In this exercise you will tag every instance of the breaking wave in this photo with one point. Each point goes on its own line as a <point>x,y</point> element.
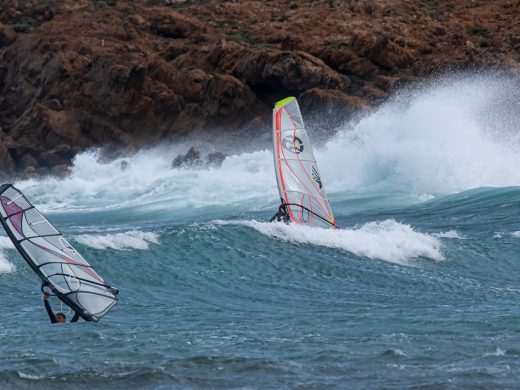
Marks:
<point>119,241</point>
<point>385,240</point>
<point>449,234</point>
<point>455,134</point>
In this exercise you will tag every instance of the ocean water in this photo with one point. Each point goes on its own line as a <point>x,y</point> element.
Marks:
<point>419,289</point>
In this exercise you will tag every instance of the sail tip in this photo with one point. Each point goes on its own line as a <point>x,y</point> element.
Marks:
<point>284,101</point>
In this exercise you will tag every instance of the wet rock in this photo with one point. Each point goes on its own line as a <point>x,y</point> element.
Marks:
<point>60,170</point>
<point>6,162</point>
<point>190,159</point>
<point>7,35</point>
<point>27,161</point>
<point>215,159</point>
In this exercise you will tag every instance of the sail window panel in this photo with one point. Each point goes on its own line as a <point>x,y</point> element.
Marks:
<point>294,111</point>
<point>38,254</point>
<point>93,303</point>
<point>26,228</point>
<point>65,248</point>
<point>289,123</point>
<point>299,179</point>
<point>86,273</point>
<point>61,283</point>
<point>38,223</point>
<point>51,269</point>
<point>293,183</point>
<point>13,201</point>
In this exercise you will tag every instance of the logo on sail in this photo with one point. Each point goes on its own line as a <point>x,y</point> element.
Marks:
<point>316,176</point>
<point>293,144</point>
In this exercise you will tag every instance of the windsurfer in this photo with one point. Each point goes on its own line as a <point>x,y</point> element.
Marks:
<point>60,317</point>
<point>282,215</point>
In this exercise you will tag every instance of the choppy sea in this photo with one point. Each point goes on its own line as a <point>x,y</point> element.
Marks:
<point>419,289</point>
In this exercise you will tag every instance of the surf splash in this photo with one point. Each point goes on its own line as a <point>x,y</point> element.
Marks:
<point>452,135</point>
<point>5,265</point>
<point>134,239</point>
<point>456,134</point>
<point>385,240</point>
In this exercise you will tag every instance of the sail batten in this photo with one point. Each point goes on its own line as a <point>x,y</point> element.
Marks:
<point>298,178</point>
<point>53,258</point>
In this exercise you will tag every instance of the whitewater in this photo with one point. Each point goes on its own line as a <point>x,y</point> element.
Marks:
<point>418,288</point>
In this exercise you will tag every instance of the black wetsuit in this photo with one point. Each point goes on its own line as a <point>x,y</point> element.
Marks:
<point>53,317</point>
<point>281,215</point>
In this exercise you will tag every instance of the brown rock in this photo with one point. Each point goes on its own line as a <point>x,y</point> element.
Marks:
<point>72,79</point>
<point>294,71</point>
<point>7,35</point>
<point>27,161</point>
<point>6,162</point>
<point>191,158</point>
<point>332,102</point>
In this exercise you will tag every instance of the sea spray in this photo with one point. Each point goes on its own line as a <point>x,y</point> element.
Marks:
<point>442,138</point>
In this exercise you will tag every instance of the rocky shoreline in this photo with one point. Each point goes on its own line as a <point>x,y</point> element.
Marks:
<point>85,73</point>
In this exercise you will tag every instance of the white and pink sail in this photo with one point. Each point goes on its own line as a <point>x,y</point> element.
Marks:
<point>299,180</point>
<point>53,258</point>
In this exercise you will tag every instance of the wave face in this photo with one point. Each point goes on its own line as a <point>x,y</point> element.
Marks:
<point>418,289</point>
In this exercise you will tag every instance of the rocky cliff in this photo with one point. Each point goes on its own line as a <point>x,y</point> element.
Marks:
<point>82,73</point>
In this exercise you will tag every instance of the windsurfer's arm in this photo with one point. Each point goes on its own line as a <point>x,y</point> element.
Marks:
<point>75,318</point>
<point>48,308</point>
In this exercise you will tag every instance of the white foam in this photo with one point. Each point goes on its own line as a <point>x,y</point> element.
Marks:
<point>6,243</point>
<point>149,179</point>
<point>497,352</point>
<point>449,137</point>
<point>457,134</point>
<point>119,241</point>
<point>449,234</point>
<point>516,234</point>
<point>385,240</point>
<point>5,266</point>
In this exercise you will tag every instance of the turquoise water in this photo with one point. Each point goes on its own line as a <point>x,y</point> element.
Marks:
<point>418,290</point>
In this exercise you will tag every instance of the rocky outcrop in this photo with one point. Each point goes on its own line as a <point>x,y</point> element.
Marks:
<point>192,158</point>
<point>76,74</point>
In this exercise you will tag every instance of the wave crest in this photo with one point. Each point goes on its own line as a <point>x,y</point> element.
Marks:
<point>384,240</point>
<point>119,241</point>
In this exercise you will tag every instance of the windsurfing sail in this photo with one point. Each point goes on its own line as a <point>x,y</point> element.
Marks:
<point>53,258</point>
<point>299,180</point>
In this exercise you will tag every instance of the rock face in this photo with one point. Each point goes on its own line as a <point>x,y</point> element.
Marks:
<point>82,73</point>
